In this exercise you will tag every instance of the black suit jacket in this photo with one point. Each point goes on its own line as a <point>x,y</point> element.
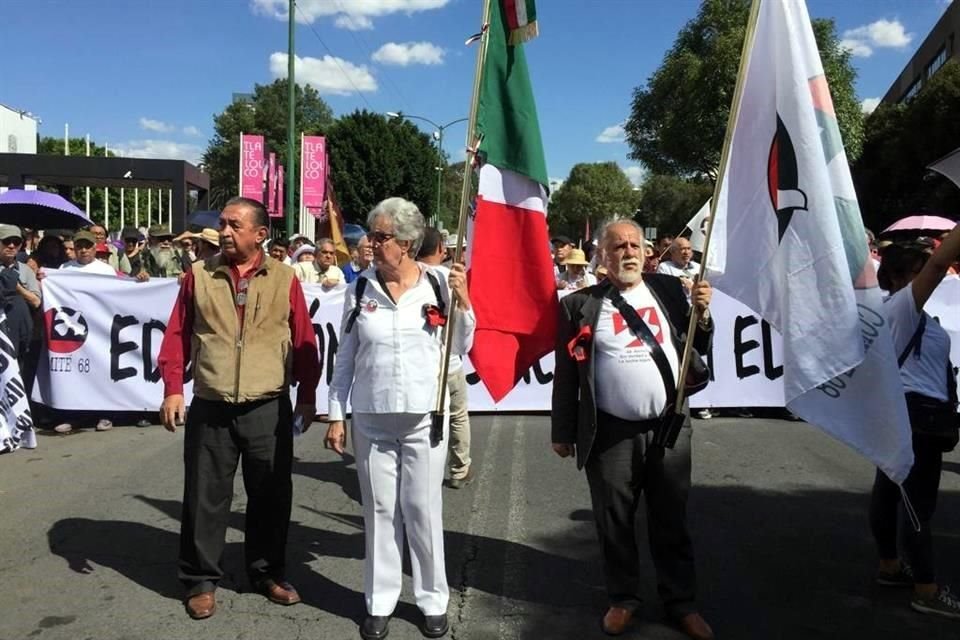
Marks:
<point>574,409</point>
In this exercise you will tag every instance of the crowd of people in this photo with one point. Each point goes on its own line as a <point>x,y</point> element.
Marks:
<point>610,391</point>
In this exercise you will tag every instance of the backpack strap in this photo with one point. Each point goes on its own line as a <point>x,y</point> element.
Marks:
<point>435,285</point>
<point>914,341</point>
<point>358,298</point>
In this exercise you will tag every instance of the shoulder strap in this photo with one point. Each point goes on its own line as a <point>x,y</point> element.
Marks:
<point>914,341</point>
<point>358,297</point>
<point>642,331</point>
<point>435,285</point>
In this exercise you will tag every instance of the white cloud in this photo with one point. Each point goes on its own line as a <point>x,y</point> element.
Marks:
<point>880,34</point>
<point>636,173</point>
<point>163,149</point>
<point>407,53</point>
<point>156,125</point>
<point>353,23</point>
<point>856,48</point>
<point>192,131</point>
<point>867,105</point>
<point>349,14</point>
<point>328,75</point>
<point>614,133</point>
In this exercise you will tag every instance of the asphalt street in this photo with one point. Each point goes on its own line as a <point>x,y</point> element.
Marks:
<point>89,534</point>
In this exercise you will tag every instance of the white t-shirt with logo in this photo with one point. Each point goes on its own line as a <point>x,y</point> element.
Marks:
<point>628,382</point>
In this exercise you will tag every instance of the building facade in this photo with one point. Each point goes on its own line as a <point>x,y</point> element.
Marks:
<point>938,47</point>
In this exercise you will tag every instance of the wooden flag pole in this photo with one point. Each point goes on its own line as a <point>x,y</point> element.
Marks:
<point>721,173</point>
<point>473,145</point>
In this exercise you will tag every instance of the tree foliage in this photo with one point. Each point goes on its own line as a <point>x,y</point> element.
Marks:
<point>668,202</point>
<point>266,115</point>
<point>373,157</point>
<point>597,191</point>
<point>678,119</point>
<point>901,141</point>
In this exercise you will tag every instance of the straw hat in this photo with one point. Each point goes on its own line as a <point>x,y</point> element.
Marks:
<point>576,257</point>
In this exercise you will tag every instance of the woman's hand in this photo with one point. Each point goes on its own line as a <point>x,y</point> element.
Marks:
<point>458,285</point>
<point>336,437</point>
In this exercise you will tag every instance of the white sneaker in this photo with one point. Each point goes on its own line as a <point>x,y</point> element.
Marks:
<point>64,427</point>
<point>704,414</point>
<point>104,425</point>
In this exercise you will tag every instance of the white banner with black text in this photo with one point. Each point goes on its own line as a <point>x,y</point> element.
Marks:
<point>104,335</point>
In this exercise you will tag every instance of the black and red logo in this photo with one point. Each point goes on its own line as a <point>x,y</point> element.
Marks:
<point>649,315</point>
<point>783,181</point>
<point>66,329</point>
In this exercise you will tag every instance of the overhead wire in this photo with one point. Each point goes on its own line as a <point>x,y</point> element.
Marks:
<point>336,61</point>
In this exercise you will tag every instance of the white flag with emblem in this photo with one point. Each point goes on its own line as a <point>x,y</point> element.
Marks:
<point>792,245</point>
<point>698,227</point>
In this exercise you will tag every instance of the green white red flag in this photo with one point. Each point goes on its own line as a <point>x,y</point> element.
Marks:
<point>512,284</point>
<point>520,17</point>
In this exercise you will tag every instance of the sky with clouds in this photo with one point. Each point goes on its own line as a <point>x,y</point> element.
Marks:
<point>146,78</point>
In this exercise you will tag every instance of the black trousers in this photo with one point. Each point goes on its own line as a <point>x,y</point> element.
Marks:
<point>887,514</point>
<point>622,464</point>
<point>218,436</point>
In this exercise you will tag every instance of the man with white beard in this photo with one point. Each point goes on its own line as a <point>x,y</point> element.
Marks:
<point>160,260</point>
<point>609,398</point>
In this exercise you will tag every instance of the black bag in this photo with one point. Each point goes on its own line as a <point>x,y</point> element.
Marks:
<point>698,374</point>
<point>934,420</point>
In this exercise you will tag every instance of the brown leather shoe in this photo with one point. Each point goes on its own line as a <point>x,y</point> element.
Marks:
<point>615,621</point>
<point>202,605</point>
<point>281,592</point>
<point>694,626</point>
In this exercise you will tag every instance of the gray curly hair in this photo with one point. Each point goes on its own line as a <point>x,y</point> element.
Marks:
<point>408,223</point>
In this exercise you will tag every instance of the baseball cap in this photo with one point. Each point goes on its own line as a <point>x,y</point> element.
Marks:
<point>160,231</point>
<point>561,240</point>
<point>84,236</point>
<point>10,231</point>
<point>130,233</point>
<point>102,247</point>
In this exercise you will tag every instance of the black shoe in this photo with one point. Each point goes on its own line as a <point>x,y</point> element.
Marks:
<point>435,626</point>
<point>375,627</point>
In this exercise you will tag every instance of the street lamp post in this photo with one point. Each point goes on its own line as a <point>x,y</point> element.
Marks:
<point>438,136</point>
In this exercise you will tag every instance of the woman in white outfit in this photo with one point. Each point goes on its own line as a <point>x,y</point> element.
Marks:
<point>390,344</point>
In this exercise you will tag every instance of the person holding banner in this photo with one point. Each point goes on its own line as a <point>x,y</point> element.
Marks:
<point>391,341</point>
<point>241,320</point>
<point>911,274</point>
<point>615,342</point>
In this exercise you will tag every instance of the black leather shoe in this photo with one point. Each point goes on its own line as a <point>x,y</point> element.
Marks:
<point>435,626</point>
<point>375,627</point>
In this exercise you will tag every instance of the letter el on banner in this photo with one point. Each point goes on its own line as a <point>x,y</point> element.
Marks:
<point>104,337</point>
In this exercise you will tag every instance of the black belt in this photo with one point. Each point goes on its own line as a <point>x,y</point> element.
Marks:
<point>609,421</point>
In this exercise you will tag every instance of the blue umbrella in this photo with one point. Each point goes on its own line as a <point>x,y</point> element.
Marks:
<point>40,210</point>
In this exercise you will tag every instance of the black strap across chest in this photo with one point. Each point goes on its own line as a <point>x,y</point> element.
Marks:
<point>362,287</point>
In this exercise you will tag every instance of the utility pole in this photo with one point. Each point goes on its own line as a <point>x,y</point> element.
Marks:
<point>291,121</point>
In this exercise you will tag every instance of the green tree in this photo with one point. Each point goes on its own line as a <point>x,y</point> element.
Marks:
<point>901,141</point>
<point>668,202</point>
<point>596,191</point>
<point>265,115</point>
<point>678,119</point>
<point>452,189</point>
<point>373,157</point>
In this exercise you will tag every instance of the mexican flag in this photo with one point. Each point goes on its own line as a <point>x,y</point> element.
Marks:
<point>512,284</point>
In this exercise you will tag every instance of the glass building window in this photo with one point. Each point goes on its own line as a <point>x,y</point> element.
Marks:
<point>938,61</point>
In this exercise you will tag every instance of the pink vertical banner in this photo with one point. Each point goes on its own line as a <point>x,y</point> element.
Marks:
<point>313,174</point>
<point>252,167</point>
<point>272,185</point>
<point>280,191</point>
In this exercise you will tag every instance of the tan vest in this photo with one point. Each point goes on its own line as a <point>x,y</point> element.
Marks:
<point>234,366</point>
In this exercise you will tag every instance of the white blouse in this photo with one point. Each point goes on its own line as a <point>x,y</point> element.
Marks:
<point>391,357</point>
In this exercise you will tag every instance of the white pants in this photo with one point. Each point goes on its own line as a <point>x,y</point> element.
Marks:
<point>401,479</point>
